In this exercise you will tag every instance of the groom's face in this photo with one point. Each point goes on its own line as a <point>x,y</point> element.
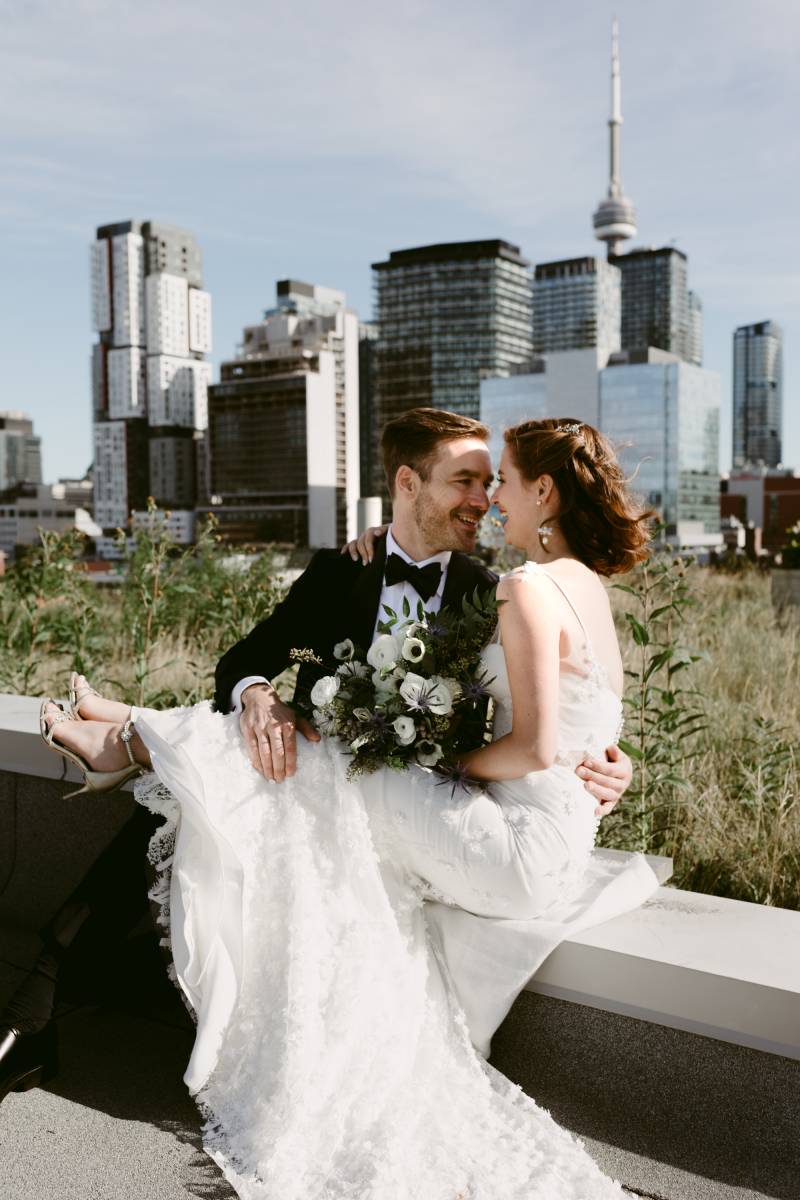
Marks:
<point>450,503</point>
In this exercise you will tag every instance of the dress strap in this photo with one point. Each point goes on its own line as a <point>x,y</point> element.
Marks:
<point>537,567</point>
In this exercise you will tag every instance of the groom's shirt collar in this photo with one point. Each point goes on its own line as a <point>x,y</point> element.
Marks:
<point>443,557</point>
<point>395,594</point>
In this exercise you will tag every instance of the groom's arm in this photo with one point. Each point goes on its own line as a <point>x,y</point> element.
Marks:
<point>265,650</point>
<point>269,727</point>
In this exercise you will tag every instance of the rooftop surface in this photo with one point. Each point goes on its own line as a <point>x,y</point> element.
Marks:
<point>671,1115</point>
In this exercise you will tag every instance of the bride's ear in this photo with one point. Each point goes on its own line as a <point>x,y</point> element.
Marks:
<point>543,489</point>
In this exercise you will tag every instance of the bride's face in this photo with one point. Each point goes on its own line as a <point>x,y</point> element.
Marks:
<point>516,500</point>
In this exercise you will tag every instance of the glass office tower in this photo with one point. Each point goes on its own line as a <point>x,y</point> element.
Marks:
<point>757,394</point>
<point>663,417</point>
<point>576,306</point>
<point>447,316</point>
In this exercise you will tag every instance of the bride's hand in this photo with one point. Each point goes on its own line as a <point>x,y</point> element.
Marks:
<point>363,547</point>
<point>607,781</point>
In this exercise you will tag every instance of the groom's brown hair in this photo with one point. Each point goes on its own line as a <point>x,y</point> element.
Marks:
<point>411,439</point>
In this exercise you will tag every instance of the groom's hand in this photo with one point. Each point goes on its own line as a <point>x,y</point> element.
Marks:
<point>607,779</point>
<point>269,728</point>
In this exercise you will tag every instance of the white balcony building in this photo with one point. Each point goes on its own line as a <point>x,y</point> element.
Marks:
<point>177,391</point>
<point>127,258</point>
<point>154,324</point>
<point>127,390</point>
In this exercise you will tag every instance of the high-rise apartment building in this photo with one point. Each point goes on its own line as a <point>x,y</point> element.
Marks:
<point>447,315</point>
<point>758,394</point>
<point>369,431</point>
<point>149,377</point>
<point>284,424</point>
<point>576,305</point>
<point>656,303</point>
<point>20,451</point>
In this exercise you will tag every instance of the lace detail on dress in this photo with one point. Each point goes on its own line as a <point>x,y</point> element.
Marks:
<point>149,791</point>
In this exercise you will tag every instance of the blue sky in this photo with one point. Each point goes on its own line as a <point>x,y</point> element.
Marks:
<point>308,140</point>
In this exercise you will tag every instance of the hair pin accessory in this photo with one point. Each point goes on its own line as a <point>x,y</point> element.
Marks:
<point>573,427</point>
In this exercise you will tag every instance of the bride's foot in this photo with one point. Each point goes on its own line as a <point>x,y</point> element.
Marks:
<point>97,742</point>
<point>91,707</point>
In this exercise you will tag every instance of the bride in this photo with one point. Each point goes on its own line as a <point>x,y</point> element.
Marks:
<point>348,948</point>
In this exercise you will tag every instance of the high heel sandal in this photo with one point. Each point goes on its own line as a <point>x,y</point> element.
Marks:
<point>95,781</point>
<point>75,700</point>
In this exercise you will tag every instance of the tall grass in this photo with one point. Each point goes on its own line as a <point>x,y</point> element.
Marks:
<point>734,829</point>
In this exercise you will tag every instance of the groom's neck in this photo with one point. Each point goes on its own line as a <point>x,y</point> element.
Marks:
<point>410,540</point>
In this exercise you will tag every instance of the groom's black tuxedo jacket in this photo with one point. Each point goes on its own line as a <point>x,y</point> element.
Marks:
<point>335,598</point>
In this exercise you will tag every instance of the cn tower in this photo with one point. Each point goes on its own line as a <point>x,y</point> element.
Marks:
<point>614,219</point>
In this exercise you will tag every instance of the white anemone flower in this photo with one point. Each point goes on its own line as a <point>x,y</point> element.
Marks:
<point>344,650</point>
<point>324,690</point>
<point>384,652</point>
<point>405,730</point>
<point>429,753</point>
<point>426,695</point>
<point>413,650</point>
<point>324,722</point>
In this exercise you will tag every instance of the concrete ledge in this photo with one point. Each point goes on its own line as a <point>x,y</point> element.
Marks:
<point>722,968</point>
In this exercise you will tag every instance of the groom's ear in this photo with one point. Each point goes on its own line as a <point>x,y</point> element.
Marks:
<point>406,482</point>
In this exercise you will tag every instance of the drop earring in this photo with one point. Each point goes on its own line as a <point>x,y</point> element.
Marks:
<point>545,533</point>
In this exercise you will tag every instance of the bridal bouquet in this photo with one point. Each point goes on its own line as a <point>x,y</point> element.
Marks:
<point>408,698</point>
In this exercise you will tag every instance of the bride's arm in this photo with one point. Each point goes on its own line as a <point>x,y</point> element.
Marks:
<point>530,627</point>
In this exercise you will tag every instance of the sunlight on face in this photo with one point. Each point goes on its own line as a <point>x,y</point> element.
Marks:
<point>455,496</point>
<point>516,501</point>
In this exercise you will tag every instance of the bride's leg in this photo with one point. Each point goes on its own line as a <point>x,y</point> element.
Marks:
<point>98,742</point>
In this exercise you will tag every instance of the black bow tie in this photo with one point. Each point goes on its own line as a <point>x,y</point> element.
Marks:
<point>424,580</point>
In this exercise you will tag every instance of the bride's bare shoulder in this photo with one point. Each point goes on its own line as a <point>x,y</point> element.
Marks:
<point>524,584</point>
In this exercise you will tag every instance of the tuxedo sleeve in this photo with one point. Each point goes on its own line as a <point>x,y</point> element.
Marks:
<point>265,650</point>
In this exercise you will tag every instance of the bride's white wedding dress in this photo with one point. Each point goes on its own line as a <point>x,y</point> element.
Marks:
<point>346,945</point>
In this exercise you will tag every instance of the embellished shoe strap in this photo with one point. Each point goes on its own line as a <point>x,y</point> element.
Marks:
<point>59,716</point>
<point>126,736</point>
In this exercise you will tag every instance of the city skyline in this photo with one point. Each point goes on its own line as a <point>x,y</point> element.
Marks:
<point>457,134</point>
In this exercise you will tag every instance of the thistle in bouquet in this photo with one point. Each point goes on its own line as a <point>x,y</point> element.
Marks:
<point>405,700</point>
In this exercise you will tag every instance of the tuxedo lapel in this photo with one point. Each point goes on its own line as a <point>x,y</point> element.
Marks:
<point>462,579</point>
<point>365,598</point>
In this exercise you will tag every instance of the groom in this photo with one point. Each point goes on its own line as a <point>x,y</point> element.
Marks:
<point>439,473</point>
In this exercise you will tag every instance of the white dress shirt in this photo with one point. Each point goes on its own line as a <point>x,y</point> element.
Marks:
<point>393,595</point>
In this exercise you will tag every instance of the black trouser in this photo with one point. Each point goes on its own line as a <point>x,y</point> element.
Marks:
<point>81,956</point>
